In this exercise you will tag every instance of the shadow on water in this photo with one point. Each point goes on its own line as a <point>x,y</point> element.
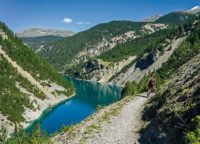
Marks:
<point>88,96</point>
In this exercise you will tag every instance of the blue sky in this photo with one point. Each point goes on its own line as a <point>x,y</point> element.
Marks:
<point>78,15</point>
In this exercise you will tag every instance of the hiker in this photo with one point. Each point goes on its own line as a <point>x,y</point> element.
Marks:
<point>151,85</point>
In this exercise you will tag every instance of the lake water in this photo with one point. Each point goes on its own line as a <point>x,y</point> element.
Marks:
<point>88,96</point>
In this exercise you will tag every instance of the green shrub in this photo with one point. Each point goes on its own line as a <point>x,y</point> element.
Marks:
<point>66,128</point>
<point>130,89</point>
<point>22,137</point>
<point>142,86</point>
<point>193,135</point>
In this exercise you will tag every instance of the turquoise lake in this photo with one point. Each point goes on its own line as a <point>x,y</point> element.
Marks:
<point>72,111</point>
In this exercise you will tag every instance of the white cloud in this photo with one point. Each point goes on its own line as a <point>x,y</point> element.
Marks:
<point>67,20</point>
<point>83,23</point>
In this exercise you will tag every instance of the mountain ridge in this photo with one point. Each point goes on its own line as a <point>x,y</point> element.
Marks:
<point>35,32</point>
<point>85,49</point>
<point>96,41</point>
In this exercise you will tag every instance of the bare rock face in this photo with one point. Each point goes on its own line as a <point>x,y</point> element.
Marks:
<point>36,32</point>
<point>151,18</point>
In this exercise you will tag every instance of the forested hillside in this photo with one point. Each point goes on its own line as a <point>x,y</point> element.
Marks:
<point>103,37</point>
<point>28,83</point>
<point>137,46</point>
<point>151,42</point>
<point>95,41</point>
<point>147,49</point>
<point>111,61</point>
<point>28,60</point>
<point>174,111</point>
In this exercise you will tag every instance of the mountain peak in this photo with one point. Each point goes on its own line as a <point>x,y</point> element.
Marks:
<point>194,10</point>
<point>195,7</point>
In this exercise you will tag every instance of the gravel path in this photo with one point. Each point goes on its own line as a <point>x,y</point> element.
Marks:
<point>118,123</point>
<point>123,128</point>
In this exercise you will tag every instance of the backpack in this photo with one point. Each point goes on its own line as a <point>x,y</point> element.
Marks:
<point>151,83</point>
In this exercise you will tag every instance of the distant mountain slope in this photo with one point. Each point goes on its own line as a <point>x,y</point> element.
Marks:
<point>37,38</point>
<point>35,32</point>
<point>28,83</point>
<point>95,41</point>
<point>175,18</point>
<point>37,43</point>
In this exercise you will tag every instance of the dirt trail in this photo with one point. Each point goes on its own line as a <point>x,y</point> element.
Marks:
<point>121,128</point>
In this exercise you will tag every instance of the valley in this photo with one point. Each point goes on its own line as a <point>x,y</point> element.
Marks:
<point>62,87</point>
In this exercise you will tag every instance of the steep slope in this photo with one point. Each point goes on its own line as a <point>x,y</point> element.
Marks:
<point>169,113</point>
<point>172,115</point>
<point>96,41</point>
<point>133,59</point>
<point>138,69</point>
<point>29,84</point>
<point>154,51</point>
<point>137,46</point>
